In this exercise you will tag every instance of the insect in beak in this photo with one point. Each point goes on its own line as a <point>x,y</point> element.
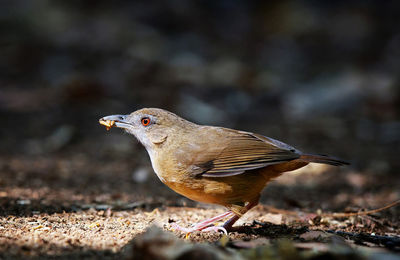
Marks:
<point>108,123</point>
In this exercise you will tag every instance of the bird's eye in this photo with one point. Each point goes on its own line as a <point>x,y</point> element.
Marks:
<point>145,121</point>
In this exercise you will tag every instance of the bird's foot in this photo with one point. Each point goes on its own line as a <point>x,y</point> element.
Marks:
<point>188,231</point>
<point>205,226</point>
<point>216,229</point>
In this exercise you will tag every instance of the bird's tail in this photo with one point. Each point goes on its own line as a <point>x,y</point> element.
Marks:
<point>314,158</point>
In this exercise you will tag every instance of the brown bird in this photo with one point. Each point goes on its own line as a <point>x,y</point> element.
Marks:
<point>212,164</point>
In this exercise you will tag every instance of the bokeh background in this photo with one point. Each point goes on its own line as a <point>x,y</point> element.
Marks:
<point>321,76</point>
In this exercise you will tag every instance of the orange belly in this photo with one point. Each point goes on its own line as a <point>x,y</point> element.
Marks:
<point>222,190</point>
<point>238,189</point>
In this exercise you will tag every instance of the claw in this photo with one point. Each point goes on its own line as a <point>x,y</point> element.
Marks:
<point>188,231</point>
<point>216,229</point>
<point>205,226</point>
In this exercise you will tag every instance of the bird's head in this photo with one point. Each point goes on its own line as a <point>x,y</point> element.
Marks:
<point>151,126</point>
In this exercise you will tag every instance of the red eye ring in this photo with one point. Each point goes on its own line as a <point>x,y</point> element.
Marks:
<point>145,121</point>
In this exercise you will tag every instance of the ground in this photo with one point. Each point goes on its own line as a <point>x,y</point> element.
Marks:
<point>71,205</point>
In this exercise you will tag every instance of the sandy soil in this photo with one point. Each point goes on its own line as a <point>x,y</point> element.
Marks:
<point>57,206</point>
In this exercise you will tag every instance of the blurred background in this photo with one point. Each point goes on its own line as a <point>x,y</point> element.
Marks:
<point>323,77</point>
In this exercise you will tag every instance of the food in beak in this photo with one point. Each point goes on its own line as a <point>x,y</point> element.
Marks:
<point>107,123</point>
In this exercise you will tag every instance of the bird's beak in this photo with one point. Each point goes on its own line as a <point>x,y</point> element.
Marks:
<point>115,120</point>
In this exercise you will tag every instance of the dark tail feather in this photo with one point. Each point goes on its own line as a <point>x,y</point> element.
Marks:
<point>322,159</point>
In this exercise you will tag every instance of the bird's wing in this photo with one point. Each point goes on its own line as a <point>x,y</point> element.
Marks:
<point>243,151</point>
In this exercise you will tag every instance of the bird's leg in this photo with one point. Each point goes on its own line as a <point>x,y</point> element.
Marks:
<point>206,224</point>
<point>229,223</point>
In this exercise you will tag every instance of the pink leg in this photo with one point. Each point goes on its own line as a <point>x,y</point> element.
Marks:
<point>206,225</point>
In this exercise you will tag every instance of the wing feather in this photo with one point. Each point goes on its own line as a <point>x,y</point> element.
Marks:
<point>247,151</point>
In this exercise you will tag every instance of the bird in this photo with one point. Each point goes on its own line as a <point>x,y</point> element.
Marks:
<point>212,164</point>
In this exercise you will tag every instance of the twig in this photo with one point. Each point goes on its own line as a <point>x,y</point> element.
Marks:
<point>337,215</point>
<point>363,213</point>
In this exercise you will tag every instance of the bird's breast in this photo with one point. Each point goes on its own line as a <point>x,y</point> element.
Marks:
<point>155,163</point>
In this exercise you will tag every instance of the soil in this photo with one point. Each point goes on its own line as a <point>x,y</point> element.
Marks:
<point>71,205</point>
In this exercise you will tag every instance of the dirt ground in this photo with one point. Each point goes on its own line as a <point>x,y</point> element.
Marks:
<point>58,206</point>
